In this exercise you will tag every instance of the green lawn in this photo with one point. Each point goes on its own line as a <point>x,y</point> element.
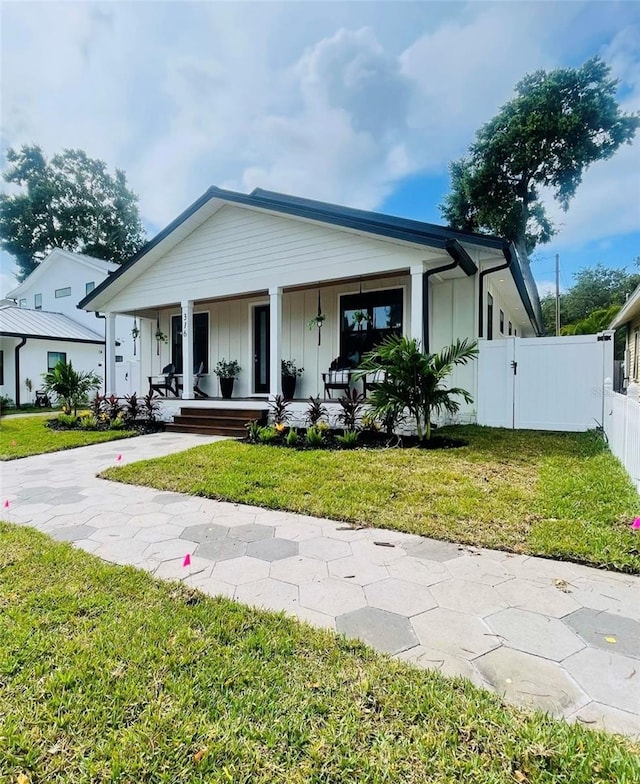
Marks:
<point>108,676</point>
<point>23,436</point>
<point>553,494</point>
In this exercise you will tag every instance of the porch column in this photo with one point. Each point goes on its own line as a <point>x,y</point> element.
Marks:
<point>187,349</point>
<point>417,304</point>
<point>275,341</point>
<point>110,354</point>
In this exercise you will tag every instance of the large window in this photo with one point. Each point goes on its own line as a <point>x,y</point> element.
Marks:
<point>89,287</point>
<point>365,320</point>
<point>53,357</point>
<point>37,301</point>
<point>200,343</point>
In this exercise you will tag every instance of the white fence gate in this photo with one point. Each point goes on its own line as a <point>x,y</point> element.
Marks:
<point>622,428</point>
<point>544,383</point>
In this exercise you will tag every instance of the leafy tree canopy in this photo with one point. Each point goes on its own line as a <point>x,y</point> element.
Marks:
<point>70,202</point>
<point>558,124</point>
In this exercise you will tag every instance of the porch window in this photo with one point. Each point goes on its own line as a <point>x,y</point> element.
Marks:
<point>53,357</point>
<point>502,322</point>
<point>200,341</point>
<point>366,319</point>
<point>489,317</point>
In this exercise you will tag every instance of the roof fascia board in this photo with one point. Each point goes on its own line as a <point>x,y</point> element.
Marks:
<point>44,265</point>
<point>35,336</point>
<point>628,311</point>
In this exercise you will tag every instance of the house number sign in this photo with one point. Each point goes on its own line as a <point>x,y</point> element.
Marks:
<point>185,325</point>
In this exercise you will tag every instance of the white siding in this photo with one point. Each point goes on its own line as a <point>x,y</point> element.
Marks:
<point>238,250</point>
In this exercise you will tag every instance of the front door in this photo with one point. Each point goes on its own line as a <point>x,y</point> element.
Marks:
<point>261,349</point>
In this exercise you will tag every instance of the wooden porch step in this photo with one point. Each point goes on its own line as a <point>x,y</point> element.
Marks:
<point>215,421</point>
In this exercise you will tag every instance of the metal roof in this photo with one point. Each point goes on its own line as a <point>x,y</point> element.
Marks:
<point>23,322</point>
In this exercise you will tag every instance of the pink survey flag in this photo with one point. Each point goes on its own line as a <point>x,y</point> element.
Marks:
<point>118,458</point>
<point>187,560</point>
<point>6,504</point>
<point>636,524</point>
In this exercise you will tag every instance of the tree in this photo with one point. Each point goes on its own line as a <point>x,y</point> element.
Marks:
<point>71,386</point>
<point>70,202</point>
<point>415,381</point>
<point>558,124</point>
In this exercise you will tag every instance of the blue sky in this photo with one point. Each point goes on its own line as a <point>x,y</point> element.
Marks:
<point>359,103</point>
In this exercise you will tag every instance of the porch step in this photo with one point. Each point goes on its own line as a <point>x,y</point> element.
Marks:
<point>215,421</point>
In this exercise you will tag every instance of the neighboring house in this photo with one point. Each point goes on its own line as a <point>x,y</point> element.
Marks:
<point>43,323</point>
<point>629,316</point>
<point>241,277</point>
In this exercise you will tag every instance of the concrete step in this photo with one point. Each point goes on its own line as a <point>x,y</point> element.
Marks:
<point>180,419</point>
<point>207,430</point>
<point>236,414</point>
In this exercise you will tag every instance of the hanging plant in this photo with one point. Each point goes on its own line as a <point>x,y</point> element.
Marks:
<point>161,337</point>
<point>318,320</point>
<point>135,334</point>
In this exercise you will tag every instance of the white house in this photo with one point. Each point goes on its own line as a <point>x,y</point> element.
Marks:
<point>242,277</point>
<point>40,323</point>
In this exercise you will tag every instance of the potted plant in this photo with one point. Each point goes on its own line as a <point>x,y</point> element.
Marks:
<point>227,372</point>
<point>290,373</point>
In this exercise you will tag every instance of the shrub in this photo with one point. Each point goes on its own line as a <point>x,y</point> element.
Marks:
<point>315,437</point>
<point>71,386</point>
<point>279,410</point>
<point>87,422</point>
<point>97,405</point>
<point>349,440</point>
<point>268,435</point>
<point>253,431</point>
<point>67,421</point>
<point>117,423</point>
<point>315,411</point>
<point>370,423</point>
<point>291,439</point>
<point>114,407</point>
<point>5,403</point>
<point>351,405</point>
<point>131,407</point>
<point>150,407</point>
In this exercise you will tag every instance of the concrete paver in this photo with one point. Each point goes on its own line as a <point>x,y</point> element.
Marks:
<point>532,629</point>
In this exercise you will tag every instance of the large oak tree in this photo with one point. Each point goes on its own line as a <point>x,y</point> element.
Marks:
<point>558,123</point>
<point>70,202</point>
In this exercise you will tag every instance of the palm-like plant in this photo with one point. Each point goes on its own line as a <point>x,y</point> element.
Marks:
<point>414,381</point>
<point>71,386</point>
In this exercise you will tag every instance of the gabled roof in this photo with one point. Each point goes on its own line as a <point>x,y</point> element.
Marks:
<point>90,262</point>
<point>629,311</point>
<point>23,322</point>
<point>375,223</point>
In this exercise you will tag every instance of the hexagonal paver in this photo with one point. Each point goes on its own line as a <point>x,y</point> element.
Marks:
<point>298,570</point>
<point>477,569</point>
<point>72,533</point>
<point>122,551</point>
<point>377,551</point>
<point>534,633</point>
<point>417,570</point>
<point>169,549</point>
<point>607,677</point>
<point>270,594</point>
<point>114,533</point>
<point>606,630</point>
<point>357,570</point>
<point>610,595</point>
<point>442,661</point>
<point>399,596</point>
<point>221,549</point>
<point>454,632</point>
<point>167,498</point>
<point>332,597</point>
<point>298,532</point>
<point>542,570</point>
<point>434,550</point>
<point>204,532</point>
<point>252,532</point>
<point>604,717</point>
<point>272,549</point>
<point>176,570</point>
<point>530,682</point>
<point>382,630</point>
<point>544,599</point>
<point>325,549</point>
<point>464,596</point>
<point>161,533</point>
<point>150,519</point>
<point>209,585</point>
<point>238,571</point>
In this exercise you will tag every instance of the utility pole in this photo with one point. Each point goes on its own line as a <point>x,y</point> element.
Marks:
<point>557,294</point>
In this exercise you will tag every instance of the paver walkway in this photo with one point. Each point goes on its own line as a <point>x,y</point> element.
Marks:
<point>561,637</point>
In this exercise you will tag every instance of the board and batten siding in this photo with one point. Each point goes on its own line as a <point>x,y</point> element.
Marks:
<point>239,250</point>
<point>231,333</point>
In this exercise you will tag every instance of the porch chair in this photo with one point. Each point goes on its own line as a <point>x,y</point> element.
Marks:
<point>338,377</point>
<point>163,384</point>
<point>42,399</point>
<point>198,372</point>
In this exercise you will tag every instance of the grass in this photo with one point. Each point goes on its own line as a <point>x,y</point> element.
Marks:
<point>24,436</point>
<point>554,494</point>
<point>195,689</point>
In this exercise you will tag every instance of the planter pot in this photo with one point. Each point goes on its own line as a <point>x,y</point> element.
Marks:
<point>288,387</point>
<point>226,387</point>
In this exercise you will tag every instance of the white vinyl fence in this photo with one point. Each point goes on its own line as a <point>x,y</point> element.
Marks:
<point>622,428</point>
<point>544,383</point>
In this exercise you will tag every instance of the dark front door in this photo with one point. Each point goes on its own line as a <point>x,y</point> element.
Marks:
<point>261,348</point>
